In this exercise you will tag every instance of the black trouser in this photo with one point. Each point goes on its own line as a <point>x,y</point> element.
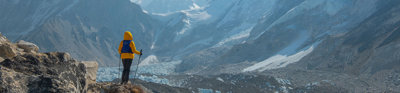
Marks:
<point>125,74</point>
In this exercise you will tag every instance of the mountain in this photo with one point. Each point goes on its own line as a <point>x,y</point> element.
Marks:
<point>369,51</point>
<point>353,46</point>
<point>89,30</point>
<point>199,45</point>
<point>223,23</point>
<point>300,27</point>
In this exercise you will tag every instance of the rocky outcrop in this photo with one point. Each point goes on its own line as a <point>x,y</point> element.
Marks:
<point>7,50</point>
<point>43,73</point>
<point>22,70</point>
<point>116,88</point>
<point>27,46</point>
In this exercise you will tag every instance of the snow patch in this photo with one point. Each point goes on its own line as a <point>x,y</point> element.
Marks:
<point>136,1</point>
<point>195,7</point>
<point>152,46</point>
<point>220,79</point>
<point>239,36</point>
<point>198,15</point>
<point>146,12</point>
<point>278,61</point>
<point>187,27</point>
<point>152,59</point>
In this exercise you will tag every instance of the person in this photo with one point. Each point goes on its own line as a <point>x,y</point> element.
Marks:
<point>127,50</point>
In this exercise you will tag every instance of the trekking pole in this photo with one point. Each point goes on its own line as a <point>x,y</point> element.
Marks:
<point>119,66</point>
<point>137,67</point>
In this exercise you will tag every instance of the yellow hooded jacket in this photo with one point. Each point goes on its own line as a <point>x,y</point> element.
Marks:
<point>128,36</point>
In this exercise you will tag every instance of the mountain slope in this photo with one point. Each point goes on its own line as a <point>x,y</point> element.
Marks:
<point>365,59</point>
<point>89,30</point>
<point>302,26</point>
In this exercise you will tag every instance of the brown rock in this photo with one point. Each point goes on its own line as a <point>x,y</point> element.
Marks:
<point>6,51</point>
<point>91,71</point>
<point>3,39</point>
<point>1,59</point>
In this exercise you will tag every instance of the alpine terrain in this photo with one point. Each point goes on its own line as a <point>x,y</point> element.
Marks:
<point>201,46</point>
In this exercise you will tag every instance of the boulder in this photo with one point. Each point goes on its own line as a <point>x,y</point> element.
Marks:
<point>27,46</point>
<point>6,51</point>
<point>91,71</point>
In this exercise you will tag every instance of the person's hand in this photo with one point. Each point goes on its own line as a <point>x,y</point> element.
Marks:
<point>141,53</point>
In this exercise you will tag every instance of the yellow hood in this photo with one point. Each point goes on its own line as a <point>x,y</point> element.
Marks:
<point>128,35</point>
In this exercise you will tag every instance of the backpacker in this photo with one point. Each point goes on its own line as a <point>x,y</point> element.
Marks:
<point>125,46</point>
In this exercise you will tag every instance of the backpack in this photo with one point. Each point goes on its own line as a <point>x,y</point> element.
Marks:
<point>125,46</point>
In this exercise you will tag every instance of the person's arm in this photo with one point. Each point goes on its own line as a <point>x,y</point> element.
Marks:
<point>120,47</point>
<point>133,48</point>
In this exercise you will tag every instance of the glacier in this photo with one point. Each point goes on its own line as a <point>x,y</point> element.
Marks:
<point>278,61</point>
<point>153,68</point>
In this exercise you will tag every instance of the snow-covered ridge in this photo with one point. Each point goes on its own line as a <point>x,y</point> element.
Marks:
<point>278,61</point>
<point>170,6</point>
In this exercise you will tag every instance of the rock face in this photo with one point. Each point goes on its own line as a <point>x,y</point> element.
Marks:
<point>91,69</point>
<point>47,72</point>
<point>6,48</point>
<point>30,72</point>
<point>27,46</point>
<point>6,51</point>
